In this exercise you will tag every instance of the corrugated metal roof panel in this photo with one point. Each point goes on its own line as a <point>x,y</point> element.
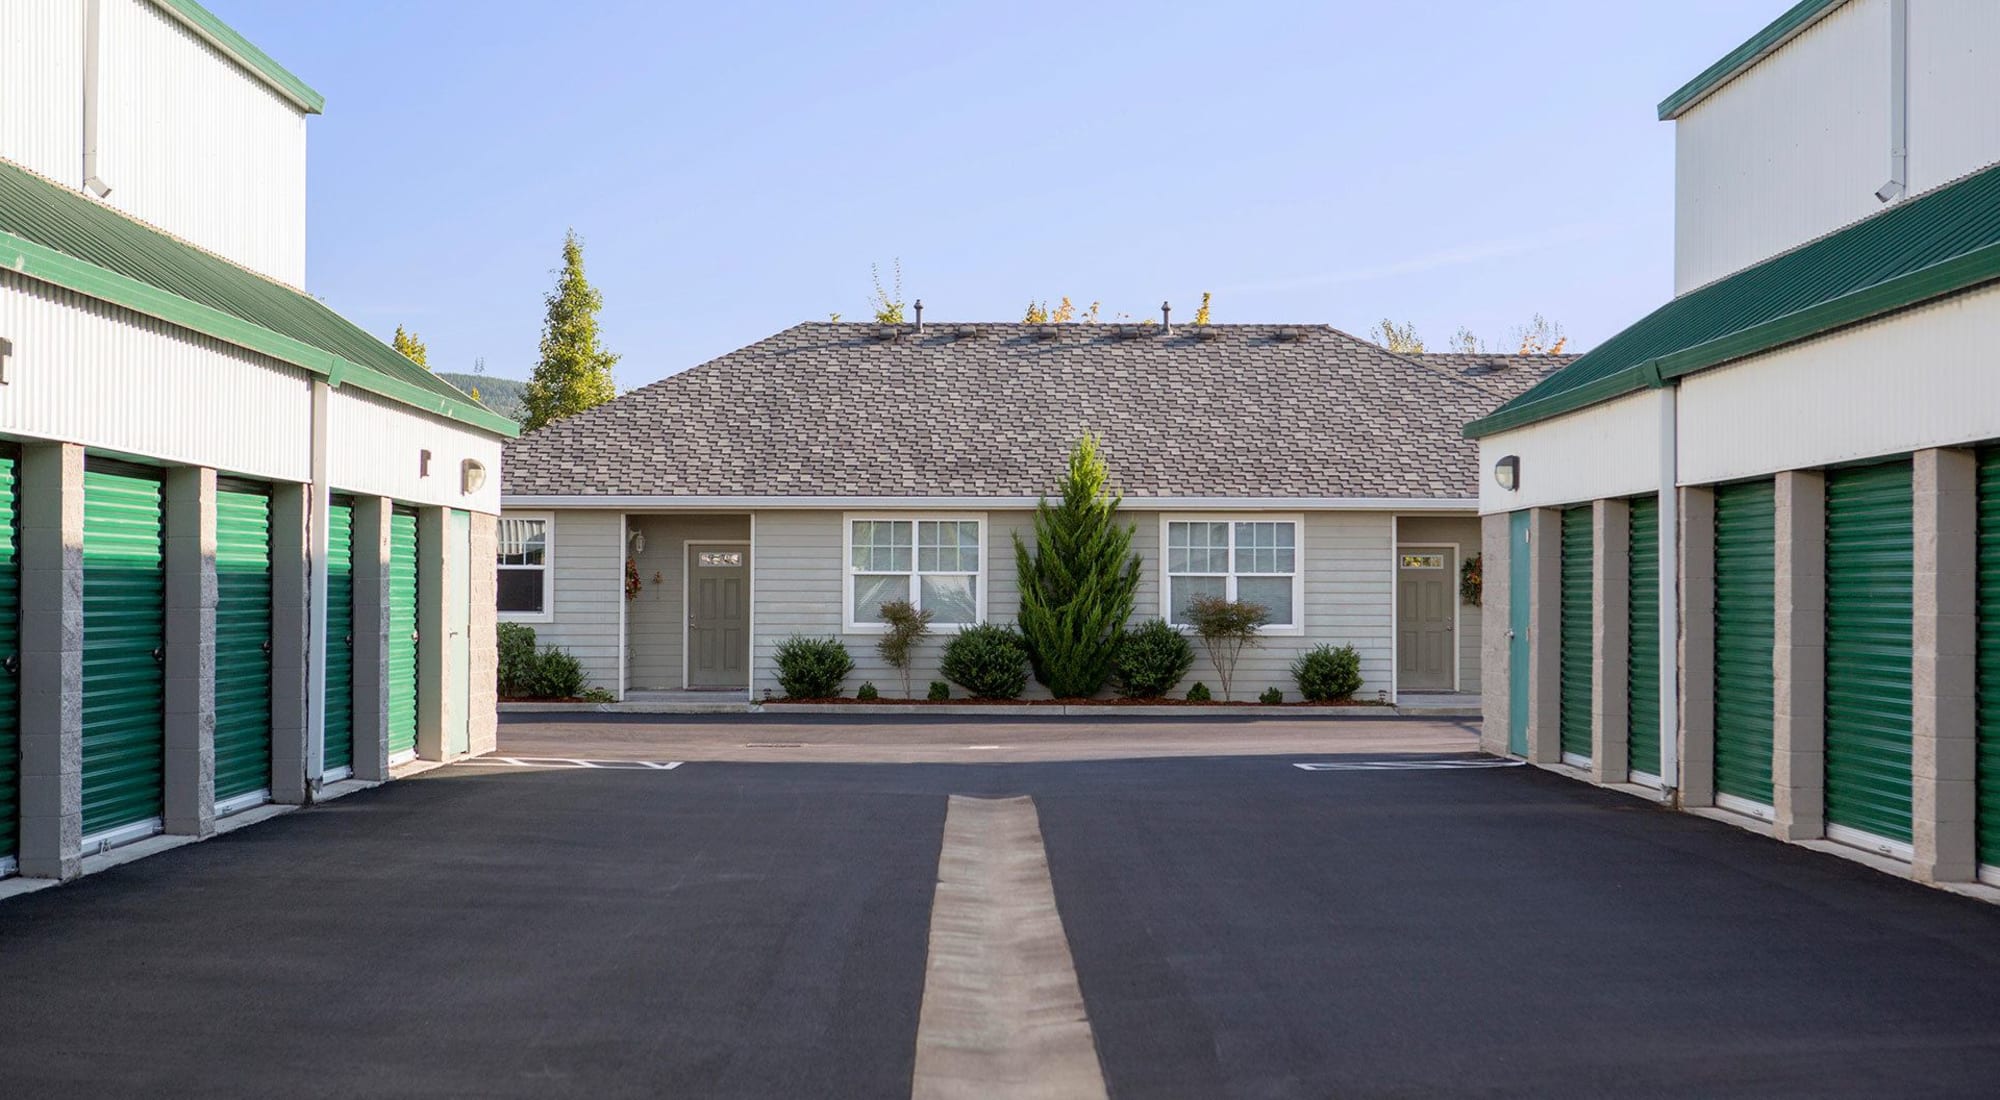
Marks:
<point>1935,244</point>
<point>43,213</point>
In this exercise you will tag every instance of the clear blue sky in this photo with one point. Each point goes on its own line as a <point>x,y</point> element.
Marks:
<point>735,168</point>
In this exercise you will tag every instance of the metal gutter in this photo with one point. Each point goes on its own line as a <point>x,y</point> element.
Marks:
<point>1467,505</point>
<point>43,264</point>
<point>1761,45</point>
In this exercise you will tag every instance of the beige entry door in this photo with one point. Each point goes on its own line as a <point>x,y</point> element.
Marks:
<point>718,610</point>
<point>1426,613</point>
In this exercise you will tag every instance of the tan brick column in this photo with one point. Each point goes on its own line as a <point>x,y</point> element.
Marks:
<point>1610,641</point>
<point>189,794</point>
<point>1798,659</point>
<point>1944,675</point>
<point>290,642</point>
<point>1697,646</point>
<point>1545,635</point>
<point>51,549</point>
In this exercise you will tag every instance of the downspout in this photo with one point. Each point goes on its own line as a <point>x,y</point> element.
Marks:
<point>1670,594</point>
<point>1899,102</point>
<point>318,516</point>
<point>92,22</point>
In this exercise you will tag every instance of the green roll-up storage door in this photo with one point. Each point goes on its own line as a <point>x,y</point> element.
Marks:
<point>338,750</point>
<point>242,640</point>
<point>10,651</point>
<point>1745,633</point>
<point>124,638</point>
<point>402,632</point>
<point>1988,725</point>
<point>1869,563</point>
<point>1642,673</point>
<point>1574,720</point>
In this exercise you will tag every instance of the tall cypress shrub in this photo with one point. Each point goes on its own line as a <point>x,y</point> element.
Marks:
<point>1078,583</point>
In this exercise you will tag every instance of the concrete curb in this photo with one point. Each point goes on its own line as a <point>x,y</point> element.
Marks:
<point>999,710</point>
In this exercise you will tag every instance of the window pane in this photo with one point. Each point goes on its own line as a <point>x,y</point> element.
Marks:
<point>871,592</point>
<point>1202,547</point>
<point>523,541</point>
<point>1274,593</point>
<point>521,590</point>
<point>1265,547</point>
<point>882,545</point>
<point>952,600</point>
<point>948,546</point>
<point>1187,588</point>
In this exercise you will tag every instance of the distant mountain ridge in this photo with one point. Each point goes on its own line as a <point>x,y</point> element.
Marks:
<point>502,395</point>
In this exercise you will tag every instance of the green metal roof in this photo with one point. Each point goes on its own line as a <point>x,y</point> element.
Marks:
<point>224,38</point>
<point>1938,243</point>
<point>58,236</point>
<point>1759,46</point>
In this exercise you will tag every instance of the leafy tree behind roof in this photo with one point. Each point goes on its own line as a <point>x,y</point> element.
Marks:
<point>574,373</point>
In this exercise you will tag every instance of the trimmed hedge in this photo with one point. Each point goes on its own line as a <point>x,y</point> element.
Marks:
<point>988,661</point>
<point>1326,674</point>
<point>812,668</point>
<point>1151,660</point>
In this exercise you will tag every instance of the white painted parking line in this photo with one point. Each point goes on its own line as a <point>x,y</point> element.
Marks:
<point>568,762</point>
<point>1407,765</point>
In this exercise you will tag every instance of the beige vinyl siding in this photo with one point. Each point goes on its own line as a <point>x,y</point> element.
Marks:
<point>1463,530</point>
<point>655,621</point>
<point>1348,596</point>
<point>588,562</point>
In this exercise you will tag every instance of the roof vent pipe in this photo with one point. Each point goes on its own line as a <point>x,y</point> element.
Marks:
<point>1166,319</point>
<point>920,315</point>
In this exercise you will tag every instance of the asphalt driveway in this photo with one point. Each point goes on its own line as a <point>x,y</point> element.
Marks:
<point>1240,927</point>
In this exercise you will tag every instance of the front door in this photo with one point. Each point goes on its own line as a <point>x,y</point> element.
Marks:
<point>1426,606</point>
<point>718,597</point>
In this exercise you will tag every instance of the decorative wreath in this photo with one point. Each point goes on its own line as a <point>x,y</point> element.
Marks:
<point>631,579</point>
<point>1471,581</point>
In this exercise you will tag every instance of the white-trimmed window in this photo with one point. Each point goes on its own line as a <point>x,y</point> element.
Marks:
<point>525,580</point>
<point>935,562</point>
<point>1251,559</point>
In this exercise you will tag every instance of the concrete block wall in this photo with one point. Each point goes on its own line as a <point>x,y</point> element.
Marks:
<point>1944,748</point>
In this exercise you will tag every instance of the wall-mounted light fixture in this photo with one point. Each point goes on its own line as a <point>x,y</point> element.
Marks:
<point>1507,473</point>
<point>471,476</point>
<point>6,354</point>
<point>638,541</point>
<point>423,464</point>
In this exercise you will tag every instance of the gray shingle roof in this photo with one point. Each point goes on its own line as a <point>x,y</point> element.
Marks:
<point>990,410</point>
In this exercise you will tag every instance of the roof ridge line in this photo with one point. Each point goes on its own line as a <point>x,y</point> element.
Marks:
<point>1420,364</point>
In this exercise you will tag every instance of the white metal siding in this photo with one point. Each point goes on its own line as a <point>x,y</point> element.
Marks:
<point>1607,450</point>
<point>376,448</point>
<point>654,621</point>
<point>90,373</point>
<point>1349,599</point>
<point>192,143</point>
<point>1923,378</point>
<point>1954,89</point>
<point>41,86</point>
<point>1789,150</point>
<point>587,554</point>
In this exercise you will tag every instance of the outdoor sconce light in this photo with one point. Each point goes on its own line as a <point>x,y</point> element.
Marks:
<point>638,542</point>
<point>423,464</point>
<point>472,476</point>
<point>1507,473</point>
<point>6,353</point>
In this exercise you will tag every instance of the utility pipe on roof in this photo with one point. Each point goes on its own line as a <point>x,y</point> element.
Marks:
<point>1899,102</point>
<point>1670,595</point>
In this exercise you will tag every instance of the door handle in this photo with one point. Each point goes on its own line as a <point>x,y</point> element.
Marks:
<point>1510,635</point>
<point>12,664</point>
<point>267,647</point>
<point>159,655</point>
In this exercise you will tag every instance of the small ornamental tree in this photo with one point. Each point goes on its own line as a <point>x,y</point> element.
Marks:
<point>574,372</point>
<point>1225,628</point>
<point>1077,583</point>
<point>907,626</point>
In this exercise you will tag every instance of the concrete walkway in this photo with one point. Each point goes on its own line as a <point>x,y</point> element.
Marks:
<point>833,739</point>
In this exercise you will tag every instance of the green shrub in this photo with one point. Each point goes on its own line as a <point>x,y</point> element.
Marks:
<point>1271,697</point>
<point>988,661</point>
<point>1225,628</point>
<point>517,660</point>
<point>867,694</point>
<point>1199,693</point>
<point>1151,660</point>
<point>907,625</point>
<point>1325,674</point>
<point>1078,582</point>
<point>940,691</point>
<point>598,695</point>
<point>558,675</point>
<point>812,668</point>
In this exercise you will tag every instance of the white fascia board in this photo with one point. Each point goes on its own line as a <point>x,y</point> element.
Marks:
<point>1144,504</point>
